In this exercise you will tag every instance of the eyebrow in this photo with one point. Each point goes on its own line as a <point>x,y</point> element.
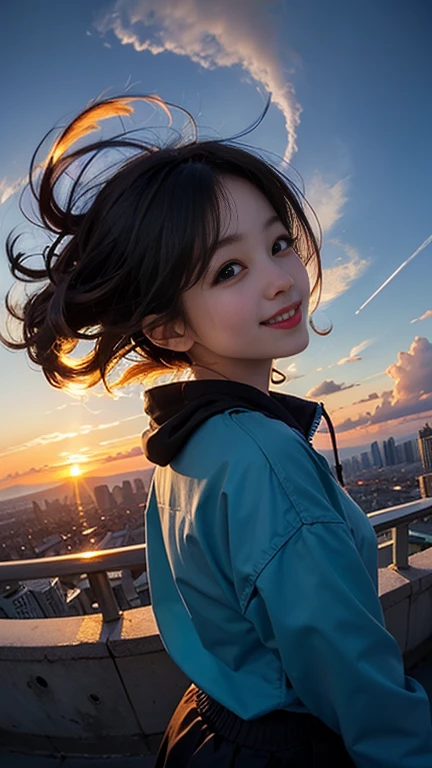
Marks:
<point>230,239</point>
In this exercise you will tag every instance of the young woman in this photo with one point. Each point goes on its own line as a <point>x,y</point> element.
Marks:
<point>198,258</point>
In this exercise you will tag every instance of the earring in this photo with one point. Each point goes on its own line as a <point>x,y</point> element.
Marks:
<point>281,380</point>
<point>317,330</point>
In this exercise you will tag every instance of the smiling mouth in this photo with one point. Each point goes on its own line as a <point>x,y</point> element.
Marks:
<point>282,317</point>
<point>287,320</point>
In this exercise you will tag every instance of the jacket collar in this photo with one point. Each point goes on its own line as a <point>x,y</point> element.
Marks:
<point>177,409</point>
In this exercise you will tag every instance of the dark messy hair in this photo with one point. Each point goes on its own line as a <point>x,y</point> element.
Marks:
<point>147,236</point>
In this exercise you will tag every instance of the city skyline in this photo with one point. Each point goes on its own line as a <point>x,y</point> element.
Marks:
<point>332,117</point>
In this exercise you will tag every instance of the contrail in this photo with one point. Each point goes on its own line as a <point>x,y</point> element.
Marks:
<point>420,248</point>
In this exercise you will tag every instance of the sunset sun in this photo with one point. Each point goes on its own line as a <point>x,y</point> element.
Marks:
<point>75,470</point>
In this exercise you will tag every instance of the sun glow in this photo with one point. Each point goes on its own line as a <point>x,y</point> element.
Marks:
<point>75,470</point>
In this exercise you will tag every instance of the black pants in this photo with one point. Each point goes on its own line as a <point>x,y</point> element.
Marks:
<point>204,734</point>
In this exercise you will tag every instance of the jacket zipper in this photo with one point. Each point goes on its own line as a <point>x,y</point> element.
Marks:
<point>315,423</point>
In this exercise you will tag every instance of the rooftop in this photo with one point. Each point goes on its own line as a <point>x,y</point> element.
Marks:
<point>98,690</point>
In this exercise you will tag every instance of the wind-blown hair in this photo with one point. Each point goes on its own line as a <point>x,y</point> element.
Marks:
<point>147,236</point>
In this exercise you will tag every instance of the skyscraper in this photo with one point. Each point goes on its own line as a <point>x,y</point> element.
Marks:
<point>408,452</point>
<point>128,494</point>
<point>365,460</point>
<point>425,447</point>
<point>103,497</point>
<point>391,448</point>
<point>376,455</point>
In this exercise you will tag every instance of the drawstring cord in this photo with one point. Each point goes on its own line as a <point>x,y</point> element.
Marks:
<point>335,451</point>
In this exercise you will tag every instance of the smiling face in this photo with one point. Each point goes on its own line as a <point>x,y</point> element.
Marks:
<point>254,274</point>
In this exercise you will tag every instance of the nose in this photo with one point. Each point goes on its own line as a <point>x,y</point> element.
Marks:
<point>277,278</point>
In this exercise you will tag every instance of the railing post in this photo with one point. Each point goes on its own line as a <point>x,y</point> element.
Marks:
<point>400,546</point>
<point>104,595</point>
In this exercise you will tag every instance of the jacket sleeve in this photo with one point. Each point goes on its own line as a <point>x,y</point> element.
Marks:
<point>343,664</point>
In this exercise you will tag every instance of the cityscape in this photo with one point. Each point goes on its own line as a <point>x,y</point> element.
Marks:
<point>86,514</point>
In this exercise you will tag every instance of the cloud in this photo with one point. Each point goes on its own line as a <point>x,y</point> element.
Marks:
<point>328,387</point>
<point>327,200</point>
<point>52,437</point>
<point>289,370</point>
<point>213,33</point>
<point>412,389</point>
<point>120,439</point>
<point>354,355</point>
<point>55,437</point>
<point>25,473</point>
<point>339,277</point>
<point>371,396</point>
<point>427,314</point>
<point>136,451</point>
<point>7,189</point>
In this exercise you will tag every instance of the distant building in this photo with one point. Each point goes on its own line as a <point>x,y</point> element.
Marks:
<point>365,460</point>
<point>356,466</point>
<point>400,455</point>
<point>139,485</point>
<point>416,450</point>
<point>425,447</point>
<point>117,493</point>
<point>114,539</point>
<point>39,515</point>
<point>140,491</point>
<point>376,455</point>
<point>128,494</point>
<point>408,452</point>
<point>34,599</point>
<point>425,484</point>
<point>391,448</point>
<point>103,497</point>
<point>51,546</point>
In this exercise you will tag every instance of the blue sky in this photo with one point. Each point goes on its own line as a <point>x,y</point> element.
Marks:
<point>351,111</point>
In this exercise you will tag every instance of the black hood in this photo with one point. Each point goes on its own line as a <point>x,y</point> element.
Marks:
<point>176,410</point>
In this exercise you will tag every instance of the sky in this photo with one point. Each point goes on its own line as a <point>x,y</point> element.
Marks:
<point>351,112</point>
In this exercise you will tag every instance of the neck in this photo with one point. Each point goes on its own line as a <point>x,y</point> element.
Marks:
<point>203,372</point>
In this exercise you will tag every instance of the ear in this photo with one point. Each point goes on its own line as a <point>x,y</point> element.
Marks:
<point>168,335</point>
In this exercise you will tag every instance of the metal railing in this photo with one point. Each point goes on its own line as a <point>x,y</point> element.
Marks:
<point>96,564</point>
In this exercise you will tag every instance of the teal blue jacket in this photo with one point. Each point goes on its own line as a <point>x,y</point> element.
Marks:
<point>263,579</point>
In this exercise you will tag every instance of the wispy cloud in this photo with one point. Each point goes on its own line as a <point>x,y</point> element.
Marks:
<point>8,188</point>
<point>214,33</point>
<point>55,437</point>
<point>354,355</point>
<point>344,271</point>
<point>327,200</point>
<point>426,314</point>
<point>52,437</point>
<point>123,439</point>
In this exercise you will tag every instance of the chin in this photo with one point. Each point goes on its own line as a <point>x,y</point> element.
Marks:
<point>301,344</point>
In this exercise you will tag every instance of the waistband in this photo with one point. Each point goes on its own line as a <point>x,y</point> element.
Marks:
<point>279,729</point>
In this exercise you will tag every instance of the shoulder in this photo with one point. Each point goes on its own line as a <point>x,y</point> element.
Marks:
<point>303,474</point>
<point>266,462</point>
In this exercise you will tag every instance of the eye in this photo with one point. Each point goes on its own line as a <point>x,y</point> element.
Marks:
<point>289,240</point>
<point>220,276</point>
<point>231,264</point>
